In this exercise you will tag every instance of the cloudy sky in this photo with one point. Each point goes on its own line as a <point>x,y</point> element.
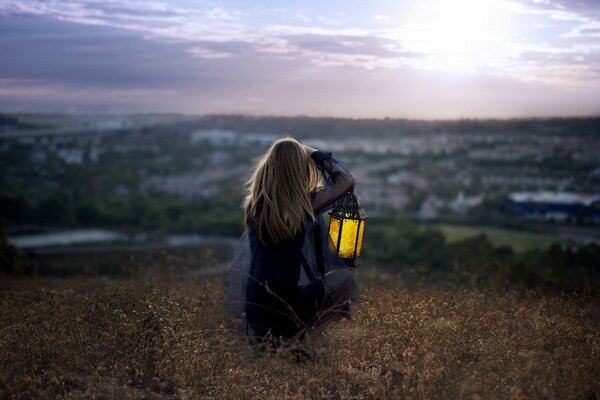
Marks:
<point>370,58</point>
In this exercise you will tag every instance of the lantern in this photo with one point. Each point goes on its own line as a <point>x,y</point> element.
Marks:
<point>346,228</point>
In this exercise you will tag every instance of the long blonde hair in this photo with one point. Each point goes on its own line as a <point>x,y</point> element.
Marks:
<point>278,191</point>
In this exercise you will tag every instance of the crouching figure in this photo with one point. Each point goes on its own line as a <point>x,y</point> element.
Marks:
<point>286,282</point>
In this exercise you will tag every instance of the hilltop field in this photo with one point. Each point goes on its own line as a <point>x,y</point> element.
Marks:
<point>166,337</point>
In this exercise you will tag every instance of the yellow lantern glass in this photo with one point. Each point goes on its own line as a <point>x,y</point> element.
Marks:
<point>346,228</point>
<point>350,236</point>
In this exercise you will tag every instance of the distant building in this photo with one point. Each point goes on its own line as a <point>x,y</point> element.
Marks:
<point>108,124</point>
<point>430,208</point>
<point>71,156</point>
<point>220,137</point>
<point>552,205</point>
<point>462,204</point>
<point>214,136</point>
<point>595,174</point>
<point>257,138</point>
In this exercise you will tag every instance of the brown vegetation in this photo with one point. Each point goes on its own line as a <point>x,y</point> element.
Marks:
<point>171,338</point>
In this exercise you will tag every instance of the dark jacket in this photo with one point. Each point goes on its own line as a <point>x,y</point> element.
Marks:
<point>275,302</point>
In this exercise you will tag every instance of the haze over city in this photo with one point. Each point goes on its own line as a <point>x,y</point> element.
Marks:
<point>415,59</point>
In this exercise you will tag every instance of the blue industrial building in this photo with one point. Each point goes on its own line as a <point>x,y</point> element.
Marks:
<point>552,205</point>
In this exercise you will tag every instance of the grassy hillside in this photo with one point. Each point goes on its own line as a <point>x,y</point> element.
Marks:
<point>170,338</point>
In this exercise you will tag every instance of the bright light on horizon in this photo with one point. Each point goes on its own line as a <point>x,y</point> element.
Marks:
<point>459,35</point>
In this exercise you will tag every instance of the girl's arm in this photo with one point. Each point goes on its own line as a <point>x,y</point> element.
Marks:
<point>341,181</point>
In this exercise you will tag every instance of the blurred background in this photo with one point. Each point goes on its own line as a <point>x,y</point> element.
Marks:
<point>128,128</point>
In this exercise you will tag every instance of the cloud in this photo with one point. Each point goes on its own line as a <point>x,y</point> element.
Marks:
<point>381,17</point>
<point>203,52</point>
<point>213,59</point>
<point>353,51</point>
<point>154,19</point>
<point>45,96</point>
<point>327,20</point>
<point>216,27</point>
<point>589,29</point>
<point>36,48</point>
<point>365,45</point>
<point>589,8</point>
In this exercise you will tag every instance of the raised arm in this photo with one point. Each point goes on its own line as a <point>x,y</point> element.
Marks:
<point>340,181</point>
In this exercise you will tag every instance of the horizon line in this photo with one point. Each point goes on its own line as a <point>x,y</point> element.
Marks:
<point>306,116</point>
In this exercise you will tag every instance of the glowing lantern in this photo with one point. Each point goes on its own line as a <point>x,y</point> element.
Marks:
<point>346,228</point>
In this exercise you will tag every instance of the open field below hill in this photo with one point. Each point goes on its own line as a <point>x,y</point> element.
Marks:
<point>171,338</point>
<point>519,241</point>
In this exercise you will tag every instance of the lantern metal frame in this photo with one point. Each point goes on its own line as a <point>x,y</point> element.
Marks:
<point>348,207</point>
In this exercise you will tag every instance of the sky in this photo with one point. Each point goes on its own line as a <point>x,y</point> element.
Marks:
<point>362,59</point>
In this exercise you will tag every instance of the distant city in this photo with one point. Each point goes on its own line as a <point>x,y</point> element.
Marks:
<point>76,171</point>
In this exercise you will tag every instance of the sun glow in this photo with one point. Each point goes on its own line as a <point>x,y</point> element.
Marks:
<point>458,35</point>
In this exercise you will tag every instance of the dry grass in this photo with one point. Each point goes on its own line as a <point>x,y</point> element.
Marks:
<point>93,338</point>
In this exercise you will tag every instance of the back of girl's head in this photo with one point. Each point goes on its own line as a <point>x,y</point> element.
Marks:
<point>278,192</point>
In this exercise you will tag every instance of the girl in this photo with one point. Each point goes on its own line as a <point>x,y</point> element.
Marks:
<point>295,285</point>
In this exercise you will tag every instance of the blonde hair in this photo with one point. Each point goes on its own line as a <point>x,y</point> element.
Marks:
<point>278,191</point>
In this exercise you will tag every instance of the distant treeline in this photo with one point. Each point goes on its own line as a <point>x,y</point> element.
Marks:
<point>306,126</point>
<point>341,127</point>
<point>217,215</point>
<point>424,254</point>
